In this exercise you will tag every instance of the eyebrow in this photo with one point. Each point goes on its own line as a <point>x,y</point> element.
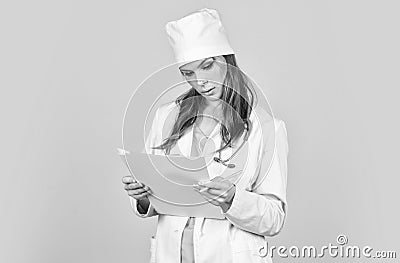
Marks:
<point>206,59</point>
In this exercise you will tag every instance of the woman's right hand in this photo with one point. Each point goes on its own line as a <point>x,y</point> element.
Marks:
<point>135,188</point>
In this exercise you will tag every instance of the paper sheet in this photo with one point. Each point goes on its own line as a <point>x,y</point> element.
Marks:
<point>171,180</point>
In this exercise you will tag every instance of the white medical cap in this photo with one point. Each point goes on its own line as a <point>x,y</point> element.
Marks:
<point>198,35</point>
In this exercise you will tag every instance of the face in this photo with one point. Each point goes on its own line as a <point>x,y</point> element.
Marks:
<point>206,76</point>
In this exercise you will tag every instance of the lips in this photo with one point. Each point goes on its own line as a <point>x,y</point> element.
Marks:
<point>208,90</point>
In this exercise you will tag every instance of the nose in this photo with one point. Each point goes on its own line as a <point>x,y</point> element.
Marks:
<point>200,79</point>
<point>201,82</point>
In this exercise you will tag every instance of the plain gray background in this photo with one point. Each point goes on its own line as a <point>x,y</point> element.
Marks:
<point>329,68</point>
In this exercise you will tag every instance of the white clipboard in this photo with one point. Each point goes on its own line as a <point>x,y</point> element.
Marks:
<point>171,179</point>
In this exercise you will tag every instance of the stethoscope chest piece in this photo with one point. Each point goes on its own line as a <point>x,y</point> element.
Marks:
<point>229,165</point>
<point>225,161</point>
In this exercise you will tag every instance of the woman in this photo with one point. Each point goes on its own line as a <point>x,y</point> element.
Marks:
<point>219,107</point>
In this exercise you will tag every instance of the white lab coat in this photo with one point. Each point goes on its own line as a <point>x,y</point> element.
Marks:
<point>255,213</point>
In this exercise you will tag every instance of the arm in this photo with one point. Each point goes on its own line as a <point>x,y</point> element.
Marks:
<point>263,210</point>
<point>143,208</point>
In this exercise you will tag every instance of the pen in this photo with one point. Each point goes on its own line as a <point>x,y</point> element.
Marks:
<point>204,189</point>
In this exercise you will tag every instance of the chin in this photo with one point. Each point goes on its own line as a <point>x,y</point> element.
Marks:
<point>213,98</point>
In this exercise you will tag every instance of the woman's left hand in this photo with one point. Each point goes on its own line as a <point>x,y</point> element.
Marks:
<point>218,191</point>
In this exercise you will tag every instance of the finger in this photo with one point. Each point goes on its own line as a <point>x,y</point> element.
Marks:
<point>132,186</point>
<point>147,189</point>
<point>210,200</point>
<point>136,185</point>
<point>218,198</point>
<point>140,196</point>
<point>136,191</point>
<point>212,197</point>
<point>202,190</point>
<point>128,179</point>
<point>222,187</point>
<point>218,179</point>
<point>218,192</point>
<point>215,185</point>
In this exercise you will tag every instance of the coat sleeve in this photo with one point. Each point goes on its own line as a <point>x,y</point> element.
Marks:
<point>153,139</point>
<point>262,210</point>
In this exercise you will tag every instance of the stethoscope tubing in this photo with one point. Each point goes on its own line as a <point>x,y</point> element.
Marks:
<point>224,162</point>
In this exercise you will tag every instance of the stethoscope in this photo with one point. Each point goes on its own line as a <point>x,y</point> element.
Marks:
<point>232,165</point>
<point>224,162</point>
<point>246,136</point>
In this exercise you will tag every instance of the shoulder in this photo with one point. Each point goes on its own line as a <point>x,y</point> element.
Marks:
<point>267,127</point>
<point>264,118</point>
<point>165,116</point>
<point>167,106</point>
<point>166,109</point>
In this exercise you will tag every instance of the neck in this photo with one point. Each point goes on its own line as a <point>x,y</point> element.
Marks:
<point>213,105</point>
<point>213,108</point>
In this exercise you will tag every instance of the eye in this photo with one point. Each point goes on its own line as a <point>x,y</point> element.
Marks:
<point>209,66</point>
<point>187,74</point>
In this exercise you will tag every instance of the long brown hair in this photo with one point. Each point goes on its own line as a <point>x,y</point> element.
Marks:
<point>239,97</point>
